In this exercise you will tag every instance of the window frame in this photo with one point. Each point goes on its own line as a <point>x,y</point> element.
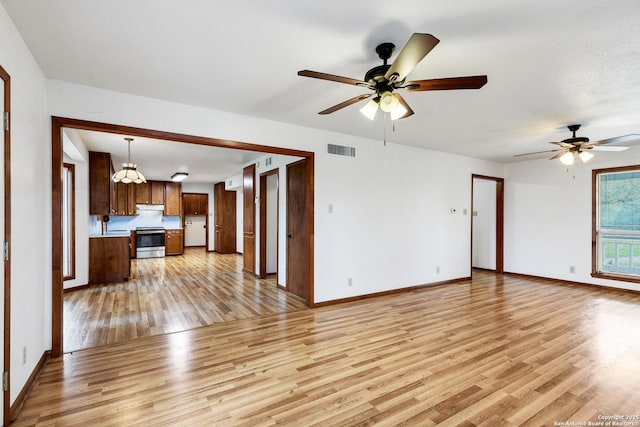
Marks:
<point>72,221</point>
<point>595,173</point>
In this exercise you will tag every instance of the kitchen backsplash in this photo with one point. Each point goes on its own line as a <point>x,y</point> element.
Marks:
<point>143,219</point>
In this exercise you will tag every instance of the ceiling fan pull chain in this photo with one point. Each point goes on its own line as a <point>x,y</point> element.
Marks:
<point>385,130</point>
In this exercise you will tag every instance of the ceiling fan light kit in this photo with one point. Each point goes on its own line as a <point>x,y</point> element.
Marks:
<point>384,79</point>
<point>129,173</point>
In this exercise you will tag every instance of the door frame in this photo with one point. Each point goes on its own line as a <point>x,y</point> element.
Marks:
<point>263,223</point>
<point>499,221</point>
<point>249,208</point>
<point>58,123</point>
<point>7,239</point>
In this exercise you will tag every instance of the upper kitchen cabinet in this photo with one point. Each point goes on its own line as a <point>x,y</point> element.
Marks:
<point>125,199</point>
<point>143,196</point>
<point>157,192</point>
<point>194,204</point>
<point>150,193</point>
<point>172,196</point>
<point>101,187</point>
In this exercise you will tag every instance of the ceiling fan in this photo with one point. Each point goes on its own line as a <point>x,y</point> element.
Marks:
<point>384,79</point>
<point>580,146</point>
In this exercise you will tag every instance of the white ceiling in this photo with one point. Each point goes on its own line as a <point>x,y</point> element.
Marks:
<point>159,159</point>
<point>549,63</point>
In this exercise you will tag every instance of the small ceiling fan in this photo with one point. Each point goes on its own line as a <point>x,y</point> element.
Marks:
<point>384,79</point>
<point>580,146</point>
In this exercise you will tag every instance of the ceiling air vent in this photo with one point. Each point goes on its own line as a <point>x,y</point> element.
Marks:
<point>341,150</point>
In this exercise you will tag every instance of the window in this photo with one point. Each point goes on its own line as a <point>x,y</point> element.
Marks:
<point>68,222</point>
<point>616,228</point>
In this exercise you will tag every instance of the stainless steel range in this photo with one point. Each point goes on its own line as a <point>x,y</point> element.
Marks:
<point>149,242</point>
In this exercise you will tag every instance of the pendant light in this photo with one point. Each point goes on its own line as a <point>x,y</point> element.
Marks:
<point>128,174</point>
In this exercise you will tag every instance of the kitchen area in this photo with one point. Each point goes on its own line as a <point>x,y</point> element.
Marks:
<point>129,220</point>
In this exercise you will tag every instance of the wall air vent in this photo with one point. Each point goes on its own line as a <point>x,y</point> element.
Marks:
<point>267,161</point>
<point>341,150</point>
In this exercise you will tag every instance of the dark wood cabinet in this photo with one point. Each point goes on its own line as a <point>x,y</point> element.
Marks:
<point>157,192</point>
<point>125,199</point>
<point>172,193</point>
<point>109,259</point>
<point>132,244</point>
<point>224,219</point>
<point>194,203</point>
<point>150,193</point>
<point>143,194</point>
<point>101,188</point>
<point>174,242</point>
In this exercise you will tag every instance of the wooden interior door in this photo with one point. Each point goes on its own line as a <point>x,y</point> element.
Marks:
<point>249,218</point>
<point>299,205</point>
<point>224,219</point>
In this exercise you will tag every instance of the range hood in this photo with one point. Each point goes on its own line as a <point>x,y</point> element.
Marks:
<point>150,207</point>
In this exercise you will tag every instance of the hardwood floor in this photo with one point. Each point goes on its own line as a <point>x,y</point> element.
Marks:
<point>495,350</point>
<point>168,295</point>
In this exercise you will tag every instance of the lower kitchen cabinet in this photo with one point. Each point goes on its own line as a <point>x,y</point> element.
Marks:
<point>109,259</point>
<point>174,242</point>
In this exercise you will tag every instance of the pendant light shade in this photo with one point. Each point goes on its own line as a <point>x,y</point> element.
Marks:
<point>128,174</point>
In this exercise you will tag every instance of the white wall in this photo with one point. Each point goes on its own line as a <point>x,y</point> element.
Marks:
<point>484,224</point>
<point>30,206</point>
<point>548,217</point>
<point>235,184</point>
<point>82,208</point>
<point>188,187</point>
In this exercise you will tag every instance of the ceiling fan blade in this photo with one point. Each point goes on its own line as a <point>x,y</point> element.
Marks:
<point>560,154</point>
<point>345,103</point>
<point>418,46</point>
<point>608,148</point>
<point>449,83</point>
<point>331,77</point>
<point>618,139</point>
<point>405,105</point>
<point>536,152</point>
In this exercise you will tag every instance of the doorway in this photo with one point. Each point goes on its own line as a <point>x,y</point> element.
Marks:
<point>58,123</point>
<point>269,217</point>
<point>5,320</point>
<point>487,223</point>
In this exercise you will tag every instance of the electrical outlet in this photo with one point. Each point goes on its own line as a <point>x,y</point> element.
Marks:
<point>572,269</point>
<point>349,282</point>
<point>24,355</point>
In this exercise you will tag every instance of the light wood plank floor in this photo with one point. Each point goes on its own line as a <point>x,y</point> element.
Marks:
<point>496,350</point>
<point>170,294</point>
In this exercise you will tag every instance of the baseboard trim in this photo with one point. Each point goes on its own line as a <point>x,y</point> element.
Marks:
<point>390,292</point>
<point>76,288</point>
<point>281,287</point>
<point>571,282</point>
<point>22,396</point>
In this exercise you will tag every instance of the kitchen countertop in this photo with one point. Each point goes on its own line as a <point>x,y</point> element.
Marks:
<point>112,234</point>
